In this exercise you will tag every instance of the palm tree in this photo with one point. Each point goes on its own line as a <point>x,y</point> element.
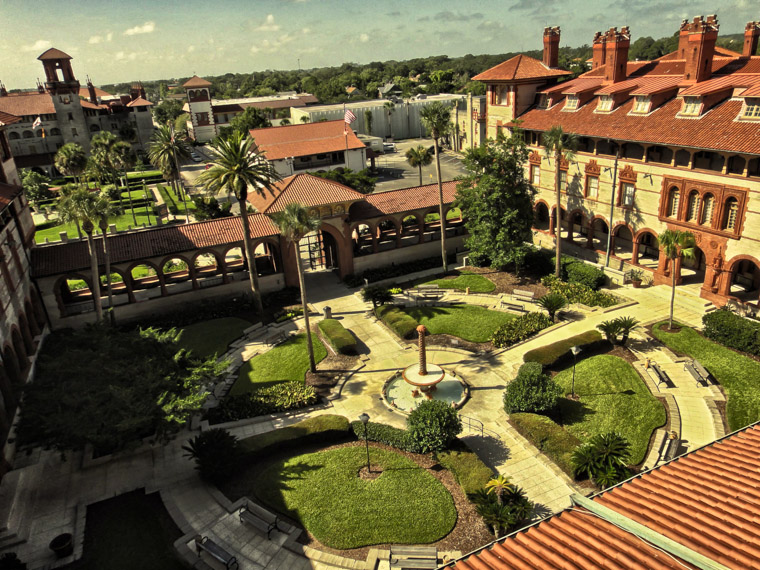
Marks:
<point>389,106</point>
<point>124,159</point>
<point>676,244</point>
<point>418,157</point>
<point>305,119</point>
<point>437,119</point>
<point>295,222</point>
<point>71,160</point>
<point>497,486</point>
<point>165,151</point>
<point>104,210</point>
<point>561,146</point>
<point>237,168</point>
<point>83,206</point>
<point>552,303</point>
<point>102,153</point>
<point>368,120</point>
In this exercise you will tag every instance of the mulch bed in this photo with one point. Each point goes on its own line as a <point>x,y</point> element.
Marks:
<point>328,371</point>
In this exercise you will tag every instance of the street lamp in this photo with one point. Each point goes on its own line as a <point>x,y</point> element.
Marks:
<point>365,420</point>
<point>575,350</point>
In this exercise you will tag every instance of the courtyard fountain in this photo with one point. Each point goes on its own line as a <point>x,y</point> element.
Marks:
<point>423,380</point>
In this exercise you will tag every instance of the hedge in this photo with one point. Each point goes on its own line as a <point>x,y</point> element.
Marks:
<point>468,469</point>
<point>389,271</point>
<point>578,293</point>
<point>389,435</point>
<point>320,429</point>
<point>282,397</point>
<point>531,391</point>
<point>519,329</point>
<point>549,437</point>
<point>397,320</point>
<point>732,330</point>
<point>550,354</point>
<point>338,337</point>
<point>586,275</point>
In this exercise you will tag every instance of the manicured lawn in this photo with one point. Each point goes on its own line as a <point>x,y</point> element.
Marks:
<point>144,174</point>
<point>613,397</point>
<point>127,532</point>
<point>122,223</point>
<point>476,283</point>
<point>469,322</point>
<point>739,375</point>
<point>405,505</point>
<point>288,361</point>
<point>212,337</point>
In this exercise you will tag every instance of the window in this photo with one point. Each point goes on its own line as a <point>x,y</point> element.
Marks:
<point>28,135</point>
<point>751,109</point>
<point>74,132</point>
<point>732,210</point>
<point>14,136</point>
<point>543,101</point>
<point>674,200</point>
<point>501,95</point>
<point>592,187</point>
<point>691,106</point>
<point>605,103</point>
<point>628,192</point>
<point>708,205</point>
<point>40,133</point>
<point>641,105</point>
<point>55,132</point>
<point>572,102</point>
<point>535,175</point>
<point>71,116</point>
<point>203,119</point>
<point>693,206</point>
<point>563,180</point>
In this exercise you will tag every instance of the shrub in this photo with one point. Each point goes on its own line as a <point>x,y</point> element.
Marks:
<point>339,338</point>
<point>502,505</point>
<point>377,295</point>
<point>397,320</point>
<point>286,315</point>
<point>552,303</point>
<point>389,435</point>
<point>732,330</point>
<point>468,469</point>
<point>319,429</point>
<point>577,293</point>
<point>539,261</point>
<point>619,326</point>
<point>531,391</point>
<point>520,328</point>
<point>281,397</point>
<point>215,451</point>
<point>550,354</point>
<point>602,458</point>
<point>433,425</point>
<point>585,274</point>
<point>548,437</point>
<point>390,271</point>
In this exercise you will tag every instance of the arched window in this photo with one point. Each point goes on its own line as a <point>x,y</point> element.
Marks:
<point>28,135</point>
<point>708,206</point>
<point>94,128</point>
<point>674,200</point>
<point>55,132</point>
<point>732,211</point>
<point>13,136</point>
<point>693,206</point>
<point>39,134</point>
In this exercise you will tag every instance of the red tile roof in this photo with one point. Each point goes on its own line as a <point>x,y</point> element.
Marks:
<point>707,500</point>
<point>305,140</point>
<point>721,83</point>
<point>8,119</point>
<point>27,103</point>
<point>519,67</point>
<point>304,189</point>
<point>581,85</point>
<point>54,53</point>
<point>7,194</point>
<point>140,102</point>
<point>158,242</point>
<point>394,201</point>
<point>196,81</point>
<point>752,92</point>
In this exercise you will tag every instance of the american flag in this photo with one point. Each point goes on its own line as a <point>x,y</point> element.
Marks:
<point>349,117</point>
<point>37,124</point>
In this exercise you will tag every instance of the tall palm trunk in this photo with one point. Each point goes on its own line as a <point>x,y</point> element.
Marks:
<point>557,225</point>
<point>440,202</point>
<point>310,348</point>
<point>129,197</point>
<point>95,277</point>
<point>248,246</point>
<point>420,168</point>
<point>672,290</point>
<point>109,286</point>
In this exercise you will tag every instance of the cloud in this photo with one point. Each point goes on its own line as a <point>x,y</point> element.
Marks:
<point>272,46</point>
<point>305,31</point>
<point>269,26</point>
<point>364,38</point>
<point>449,16</point>
<point>122,56</point>
<point>190,49</point>
<point>394,14</point>
<point>39,45</point>
<point>100,39</point>
<point>490,26</point>
<point>146,28</point>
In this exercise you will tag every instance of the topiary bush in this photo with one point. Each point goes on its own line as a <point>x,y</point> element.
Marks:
<point>389,435</point>
<point>553,353</point>
<point>216,453</point>
<point>433,425</point>
<point>586,275</point>
<point>274,399</point>
<point>397,320</point>
<point>577,293</point>
<point>377,295</point>
<point>531,391</point>
<point>520,328</point>
<point>336,334</point>
<point>732,330</point>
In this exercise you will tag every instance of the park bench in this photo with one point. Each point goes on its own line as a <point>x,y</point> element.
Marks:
<point>522,295</point>
<point>701,370</point>
<point>276,338</point>
<point>259,518</point>
<point>662,376</point>
<point>512,306</point>
<point>692,369</point>
<point>205,543</point>
<point>669,448</point>
<point>410,557</point>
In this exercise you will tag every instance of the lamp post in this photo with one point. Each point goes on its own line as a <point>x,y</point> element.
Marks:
<point>575,350</point>
<point>365,420</point>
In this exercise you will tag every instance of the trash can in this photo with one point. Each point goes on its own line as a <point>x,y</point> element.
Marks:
<point>328,312</point>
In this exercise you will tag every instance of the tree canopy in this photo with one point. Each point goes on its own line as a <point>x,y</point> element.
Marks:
<point>251,118</point>
<point>361,180</point>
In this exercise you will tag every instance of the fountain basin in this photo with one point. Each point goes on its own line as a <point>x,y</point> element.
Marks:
<point>405,397</point>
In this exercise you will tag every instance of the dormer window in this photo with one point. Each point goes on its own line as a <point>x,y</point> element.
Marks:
<point>605,103</point>
<point>751,109</point>
<point>572,103</point>
<point>641,104</point>
<point>691,106</point>
<point>543,101</point>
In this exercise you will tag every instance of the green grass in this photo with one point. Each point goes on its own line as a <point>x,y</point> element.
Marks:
<point>452,214</point>
<point>738,374</point>
<point>468,469</point>
<point>405,505</point>
<point>288,361</point>
<point>144,174</point>
<point>548,436</point>
<point>470,322</point>
<point>613,397</point>
<point>122,223</point>
<point>212,337</point>
<point>476,283</point>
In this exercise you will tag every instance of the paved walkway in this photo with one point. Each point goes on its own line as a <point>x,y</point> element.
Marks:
<point>45,496</point>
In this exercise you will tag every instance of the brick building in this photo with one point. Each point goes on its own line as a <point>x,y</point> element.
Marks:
<point>679,136</point>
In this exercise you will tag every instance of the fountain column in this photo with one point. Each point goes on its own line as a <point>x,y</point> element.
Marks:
<point>421,330</point>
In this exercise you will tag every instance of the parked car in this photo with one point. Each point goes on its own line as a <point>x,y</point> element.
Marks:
<point>389,147</point>
<point>195,156</point>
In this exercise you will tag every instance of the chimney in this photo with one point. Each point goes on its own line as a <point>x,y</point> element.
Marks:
<point>617,44</point>
<point>703,33</point>
<point>600,51</point>
<point>3,90</point>
<point>91,90</point>
<point>551,47</point>
<point>142,91</point>
<point>751,35</point>
<point>40,87</point>
<point>683,39</point>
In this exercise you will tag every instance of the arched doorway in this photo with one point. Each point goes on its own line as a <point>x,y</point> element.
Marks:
<point>622,244</point>
<point>599,234</point>
<point>648,251</point>
<point>578,226</point>
<point>541,217</point>
<point>362,239</point>
<point>745,280</point>
<point>693,269</point>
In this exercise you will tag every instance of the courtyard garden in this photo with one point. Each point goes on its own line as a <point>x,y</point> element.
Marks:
<point>468,322</point>
<point>464,280</point>
<point>212,337</point>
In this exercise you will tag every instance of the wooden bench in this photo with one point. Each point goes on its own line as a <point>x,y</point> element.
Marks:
<point>260,519</point>
<point>403,557</point>
<point>669,448</point>
<point>512,306</point>
<point>701,370</point>
<point>662,377</point>
<point>205,543</point>
<point>691,369</point>
<point>522,295</point>
<point>277,338</point>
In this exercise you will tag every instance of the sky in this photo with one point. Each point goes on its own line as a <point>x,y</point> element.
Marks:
<point>115,42</point>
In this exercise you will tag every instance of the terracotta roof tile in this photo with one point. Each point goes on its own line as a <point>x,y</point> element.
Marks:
<point>751,92</point>
<point>196,81</point>
<point>54,53</point>
<point>8,119</point>
<point>27,103</point>
<point>519,67</point>
<point>7,194</point>
<point>305,140</point>
<point>157,242</point>
<point>581,85</point>
<point>394,201</point>
<point>304,189</point>
<point>721,83</point>
<point>656,85</point>
<point>139,102</point>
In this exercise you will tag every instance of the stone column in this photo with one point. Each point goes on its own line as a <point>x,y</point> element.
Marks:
<point>421,330</point>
